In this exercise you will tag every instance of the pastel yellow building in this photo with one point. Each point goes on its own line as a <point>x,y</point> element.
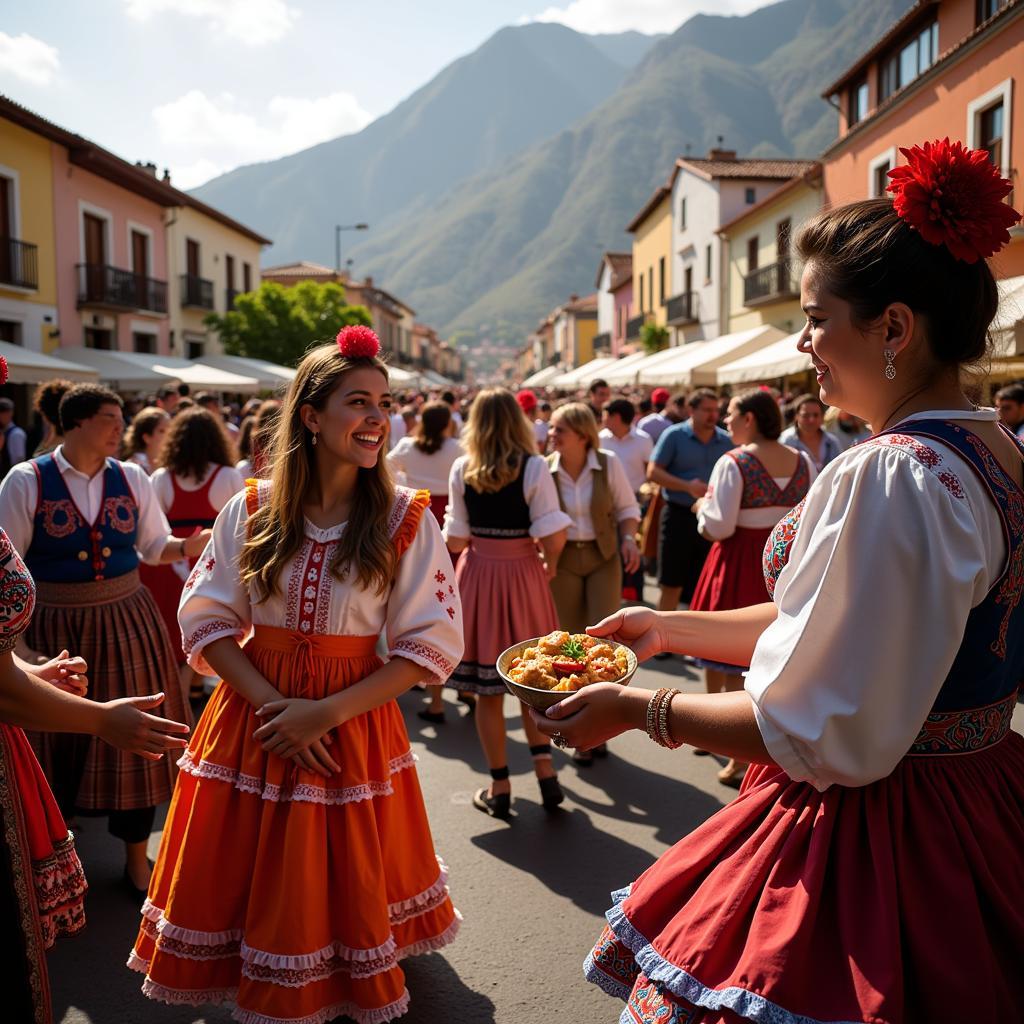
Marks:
<point>762,276</point>
<point>651,229</point>
<point>211,259</point>
<point>28,263</point>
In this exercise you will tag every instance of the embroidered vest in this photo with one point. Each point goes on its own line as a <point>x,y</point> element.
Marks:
<point>499,515</point>
<point>759,487</point>
<point>602,507</point>
<point>989,664</point>
<point>67,549</point>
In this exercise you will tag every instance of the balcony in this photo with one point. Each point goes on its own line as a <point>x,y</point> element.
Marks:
<point>603,344</point>
<point>230,294</point>
<point>101,285</point>
<point>633,326</point>
<point>769,284</point>
<point>18,263</point>
<point>196,292</point>
<point>682,309</point>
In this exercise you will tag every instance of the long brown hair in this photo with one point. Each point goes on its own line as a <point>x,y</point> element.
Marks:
<point>143,423</point>
<point>195,439</point>
<point>497,440</point>
<point>435,418</point>
<point>277,529</point>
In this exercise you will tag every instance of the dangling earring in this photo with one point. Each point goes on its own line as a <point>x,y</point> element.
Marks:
<point>314,439</point>
<point>890,370</point>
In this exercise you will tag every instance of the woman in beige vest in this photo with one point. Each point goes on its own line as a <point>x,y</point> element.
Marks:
<point>593,490</point>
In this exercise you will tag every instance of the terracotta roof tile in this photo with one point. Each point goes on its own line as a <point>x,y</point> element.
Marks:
<point>783,169</point>
<point>301,268</point>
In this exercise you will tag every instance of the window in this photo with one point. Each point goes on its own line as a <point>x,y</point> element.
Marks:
<point>990,119</point>
<point>858,103</point>
<point>641,279</point>
<point>661,280</point>
<point>98,337</point>
<point>750,196</point>
<point>10,331</point>
<point>752,246</point>
<point>985,9</point>
<point>193,349</point>
<point>246,277</point>
<point>191,257</point>
<point>880,179</point>
<point>143,341</point>
<point>707,265</point>
<point>682,214</point>
<point>913,58</point>
<point>650,287</point>
<point>990,133</point>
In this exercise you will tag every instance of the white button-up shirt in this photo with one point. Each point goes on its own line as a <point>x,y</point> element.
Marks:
<point>19,496</point>
<point>577,494</point>
<point>634,451</point>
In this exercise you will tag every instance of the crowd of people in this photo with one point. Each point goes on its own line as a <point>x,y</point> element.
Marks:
<point>854,595</point>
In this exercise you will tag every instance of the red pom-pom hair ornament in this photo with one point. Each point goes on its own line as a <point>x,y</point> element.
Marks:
<point>3,370</point>
<point>953,196</point>
<point>358,342</point>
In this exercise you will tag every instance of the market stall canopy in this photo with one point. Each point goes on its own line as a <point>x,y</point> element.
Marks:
<point>27,367</point>
<point>582,374</point>
<point>1007,329</point>
<point>697,364</point>
<point>271,376</point>
<point>403,378</point>
<point>438,380</point>
<point>137,371</point>
<point>625,369</point>
<point>119,373</point>
<point>542,378</point>
<point>779,359</point>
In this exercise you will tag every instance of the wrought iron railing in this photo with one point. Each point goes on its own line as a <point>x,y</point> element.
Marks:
<point>774,281</point>
<point>633,326</point>
<point>682,308</point>
<point>602,342</point>
<point>197,292</point>
<point>102,285</point>
<point>18,263</point>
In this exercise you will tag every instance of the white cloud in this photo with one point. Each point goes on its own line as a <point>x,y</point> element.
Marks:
<point>253,22</point>
<point>28,58</point>
<point>204,136</point>
<point>597,17</point>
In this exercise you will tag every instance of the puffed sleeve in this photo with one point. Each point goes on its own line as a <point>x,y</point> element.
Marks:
<point>424,619</point>
<point>214,604</point>
<point>721,506</point>
<point>456,515</point>
<point>887,563</point>
<point>19,494</point>
<point>622,494</point>
<point>153,530</point>
<point>546,515</point>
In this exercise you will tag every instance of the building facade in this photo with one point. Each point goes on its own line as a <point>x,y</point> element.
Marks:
<point>614,270</point>
<point>651,229</point>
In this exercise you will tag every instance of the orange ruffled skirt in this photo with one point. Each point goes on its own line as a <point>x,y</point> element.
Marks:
<point>292,895</point>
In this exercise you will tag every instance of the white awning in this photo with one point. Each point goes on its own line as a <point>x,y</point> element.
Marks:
<point>271,376</point>
<point>119,373</point>
<point>625,369</point>
<point>697,363</point>
<point>582,374</point>
<point>137,371</point>
<point>439,380</point>
<point>542,377</point>
<point>27,367</point>
<point>779,359</point>
<point>403,378</point>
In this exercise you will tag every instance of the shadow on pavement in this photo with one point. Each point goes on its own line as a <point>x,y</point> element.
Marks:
<point>438,994</point>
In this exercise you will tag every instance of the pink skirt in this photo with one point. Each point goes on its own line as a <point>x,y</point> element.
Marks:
<point>505,599</point>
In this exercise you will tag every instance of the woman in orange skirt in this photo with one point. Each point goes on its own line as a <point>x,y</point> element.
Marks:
<point>299,778</point>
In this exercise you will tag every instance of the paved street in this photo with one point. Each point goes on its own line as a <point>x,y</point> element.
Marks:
<point>532,892</point>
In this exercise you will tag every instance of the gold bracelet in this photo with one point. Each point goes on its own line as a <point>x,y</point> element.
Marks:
<point>664,736</point>
<point>652,713</point>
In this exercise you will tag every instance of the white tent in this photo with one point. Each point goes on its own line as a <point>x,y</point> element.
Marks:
<point>27,367</point>
<point>271,376</point>
<point>404,378</point>
<point>582,374</point>
<point>542,377</point>
<point>779,359</point>
<point>112,369</point>
<point>137,371</point>
<point>698,362</point>
<point>625,369</point>
<point>438,380</point>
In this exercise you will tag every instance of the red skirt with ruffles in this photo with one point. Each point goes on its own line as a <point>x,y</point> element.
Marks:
<point>732,576</point>
<point>893,903</point>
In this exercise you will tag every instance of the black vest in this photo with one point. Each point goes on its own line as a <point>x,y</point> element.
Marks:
<point>500,515</point>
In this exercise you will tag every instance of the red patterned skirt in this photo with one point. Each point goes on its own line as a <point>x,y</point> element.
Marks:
<point>892,903</point>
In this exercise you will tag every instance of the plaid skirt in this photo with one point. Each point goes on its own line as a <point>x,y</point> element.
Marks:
<point>116,626</point>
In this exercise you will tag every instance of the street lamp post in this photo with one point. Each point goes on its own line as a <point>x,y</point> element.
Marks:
<point>338,228</point>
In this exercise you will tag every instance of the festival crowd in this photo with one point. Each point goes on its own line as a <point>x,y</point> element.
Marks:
<point>217,607</point>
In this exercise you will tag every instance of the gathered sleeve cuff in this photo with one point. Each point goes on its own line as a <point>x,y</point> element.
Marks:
<point>456,515</point>
<point>424,619</point>
<point>214,604</point>
<point>720,509</point>
<point>546,515</point>
<point>887,563</point>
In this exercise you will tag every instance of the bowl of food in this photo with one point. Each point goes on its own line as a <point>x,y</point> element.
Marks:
<point>543,671</point>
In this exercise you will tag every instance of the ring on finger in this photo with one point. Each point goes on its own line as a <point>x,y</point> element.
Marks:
<point>559,740</point>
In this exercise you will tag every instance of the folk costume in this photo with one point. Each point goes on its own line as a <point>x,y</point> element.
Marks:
<point>83,538</point>
<point>859,878</point>
<point>743,504</point>
<point>42,886</point>
<point>505,594</point>
<point>332,880</point>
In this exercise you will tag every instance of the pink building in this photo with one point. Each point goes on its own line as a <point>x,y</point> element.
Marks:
<point>622,293</point>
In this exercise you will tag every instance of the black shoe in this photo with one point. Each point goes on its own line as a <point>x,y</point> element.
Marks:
<point>497,806</point>
<point>551,794</point>
<point>469,700</point>
<point>663,656</point>
<point>601,750</point>
<point>584,758</point>
<point>434,717</point>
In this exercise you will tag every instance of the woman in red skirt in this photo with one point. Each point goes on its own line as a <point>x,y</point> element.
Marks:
<point>869,870</point>
<point>750,490</point>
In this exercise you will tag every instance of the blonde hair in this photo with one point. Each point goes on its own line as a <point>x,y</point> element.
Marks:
<point>277,529</point>
<point>498,438</point>
<point>579,417</point>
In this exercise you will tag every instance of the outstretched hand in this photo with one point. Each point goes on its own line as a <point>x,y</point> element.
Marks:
<point>639,629</point>
<point>126,724</point>
<point>594,714</point>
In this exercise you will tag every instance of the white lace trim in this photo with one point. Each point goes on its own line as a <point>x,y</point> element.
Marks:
<point>381,1015</point>
<point>188,996</point>
<point>414,906</point>
<point>434,942</point>
<point>302,792</point>
<point>190,935</point>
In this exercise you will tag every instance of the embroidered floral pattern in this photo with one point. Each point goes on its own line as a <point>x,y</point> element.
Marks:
<point>121,513</point>
<point>423,654</point>
<point>650,1003</point>
<point>403,499</point>
<point>613,959</point>
<point>60,890</point>
<point>208,629</point>
<point>776,551</point>
<point>759,487</point>
<point>60,518</point>
<point>440,576</point>
<point>926,456</point>
<point>17,595</point>
<point>962,732</point>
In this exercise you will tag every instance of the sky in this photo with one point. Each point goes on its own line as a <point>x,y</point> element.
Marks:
<point>202,86</point>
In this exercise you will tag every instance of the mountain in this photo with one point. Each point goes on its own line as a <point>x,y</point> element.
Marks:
<point>625,48</point>
<point>522,85</point>
<point>509,244</point>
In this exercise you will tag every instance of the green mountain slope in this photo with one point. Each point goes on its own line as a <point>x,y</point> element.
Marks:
<point>509,246</point>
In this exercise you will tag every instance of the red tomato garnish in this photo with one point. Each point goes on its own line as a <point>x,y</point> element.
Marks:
<point>567,668</point>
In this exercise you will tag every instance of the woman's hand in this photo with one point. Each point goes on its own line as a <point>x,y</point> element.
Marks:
<point>196,544</point>
<point>638,628</point>
<point>65,673</point>
<point>630,553</point>
<point>595,714</point>
<point>125,724</point>
<point>296,732</point>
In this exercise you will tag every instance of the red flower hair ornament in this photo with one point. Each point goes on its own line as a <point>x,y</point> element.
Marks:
<point>3,370</point>
<point>358,342</point>
<point>953,196</point>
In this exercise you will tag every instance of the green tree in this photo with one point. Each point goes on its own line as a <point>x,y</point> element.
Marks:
<point>280,324</point>
<point>653,337</point>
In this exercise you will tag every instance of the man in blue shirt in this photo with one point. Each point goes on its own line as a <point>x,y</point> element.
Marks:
<point>681,464</point>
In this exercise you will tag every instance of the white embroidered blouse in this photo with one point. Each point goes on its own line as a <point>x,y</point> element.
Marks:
<point>897,542</point>
<point>420,618</point>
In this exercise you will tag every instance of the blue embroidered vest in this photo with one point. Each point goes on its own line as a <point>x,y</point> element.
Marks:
<point>67,549</point>
<point>989,665</point>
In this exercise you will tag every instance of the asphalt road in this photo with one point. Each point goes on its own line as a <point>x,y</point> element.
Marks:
<point>532,891</point>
